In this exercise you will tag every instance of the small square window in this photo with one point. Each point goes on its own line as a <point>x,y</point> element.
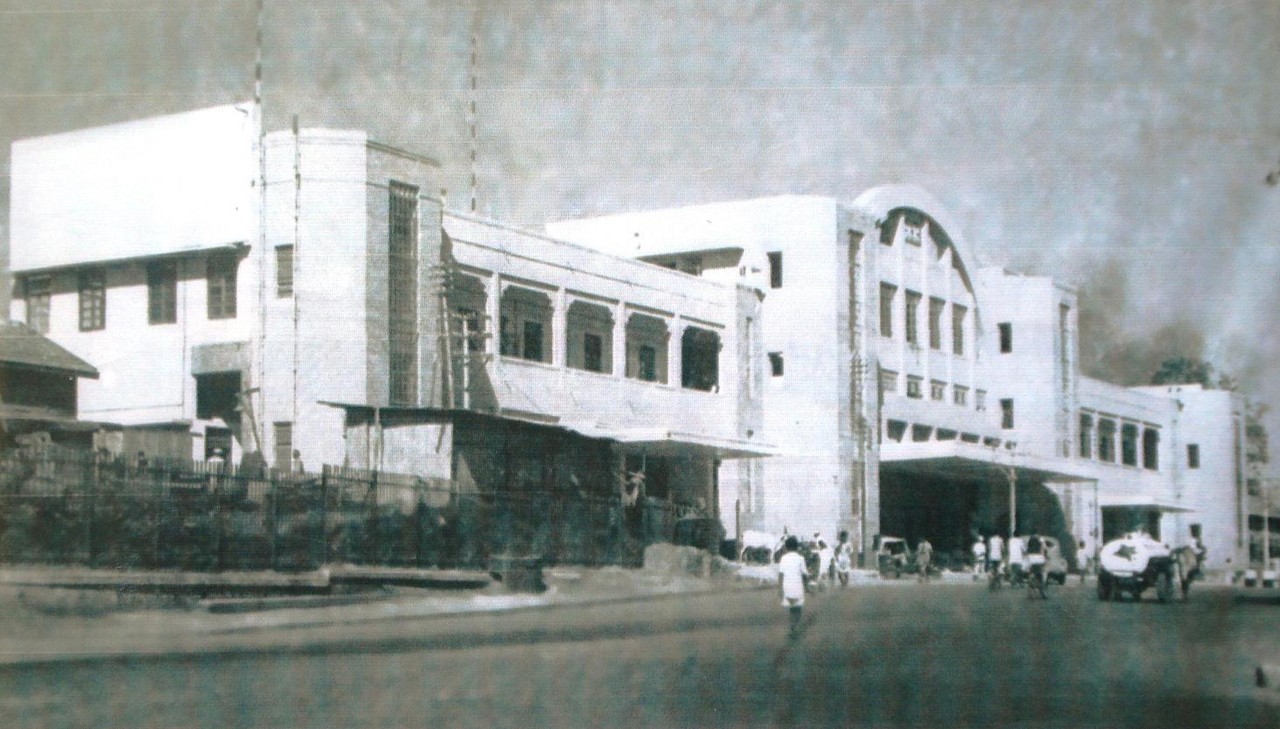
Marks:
<point>888,381</point>
<point>1193,455</point>
<point>1006,414</point>
<point>960,395</point>
<point>914,387</point>
<point>776,364</point>
<point>937,390</point>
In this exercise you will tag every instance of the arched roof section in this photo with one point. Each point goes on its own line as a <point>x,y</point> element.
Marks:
<point>881,203</point>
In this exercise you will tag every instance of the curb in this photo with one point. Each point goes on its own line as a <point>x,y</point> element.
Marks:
<point>464,638</point>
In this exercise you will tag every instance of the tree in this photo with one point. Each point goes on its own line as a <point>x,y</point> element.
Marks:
<point>1186,371</point>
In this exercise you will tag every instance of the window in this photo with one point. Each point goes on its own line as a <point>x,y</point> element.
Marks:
<point>284,445</point>
<point>913,311</point>
<point>959,395</point>
<point>700,359</point>
<point>220,273</point>
<point>980,400</point>
<point>1006,337</point>
<point>913,387</point>
<point>1106,441</point>
<point>957,328</point>
<point>888,381</point>
<point>592,352</point>
<point>911,228</point>
<point>1129,444</point>
<point>284,272</point>
<point>218,396</point>
<point>775,364</point>
<point>1193,455</point>
<point>935,322</point>
<point>887,292</point>
<point>93,300</point>
<point>775,270</point>
<point>647,340</point>
<point>38,290</point>
<point>1006,414</point>
<point>162,292</point>
<point>525,324</point>
<point>1151,449</point>
<point>1086,436</point>
<point>402,293</point>
<point>937,390</point>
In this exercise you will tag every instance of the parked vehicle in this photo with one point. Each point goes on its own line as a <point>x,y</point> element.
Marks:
<point>1134,563</point>
<point>893,556</point>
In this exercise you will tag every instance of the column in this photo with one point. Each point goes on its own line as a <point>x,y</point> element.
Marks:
<point>675,353</point>
<point>620,339</point>
<point>559,328</point>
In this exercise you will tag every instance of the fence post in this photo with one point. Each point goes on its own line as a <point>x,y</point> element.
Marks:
<point>324,515</point>
<point>90,497</point>
<point>273,493</point>
<point>371,521</point>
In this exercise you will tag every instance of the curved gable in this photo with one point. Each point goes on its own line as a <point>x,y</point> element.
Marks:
<point>880,203</point>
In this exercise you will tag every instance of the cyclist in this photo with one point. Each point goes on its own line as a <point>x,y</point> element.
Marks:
<point>1035,559</point>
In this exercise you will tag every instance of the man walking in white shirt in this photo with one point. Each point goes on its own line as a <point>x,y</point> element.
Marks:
<point>792,578</point>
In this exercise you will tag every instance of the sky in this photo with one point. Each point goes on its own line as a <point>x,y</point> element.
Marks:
<point>1118,146</point>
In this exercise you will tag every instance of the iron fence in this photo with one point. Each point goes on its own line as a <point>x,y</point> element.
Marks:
<point>80,509</point>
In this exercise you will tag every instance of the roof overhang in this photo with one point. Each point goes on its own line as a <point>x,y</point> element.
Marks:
<point>650,440</point>
<point>1141,501</point>
<point>958,459</point>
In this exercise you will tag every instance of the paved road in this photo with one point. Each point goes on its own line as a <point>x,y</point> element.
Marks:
<point>894,655</point>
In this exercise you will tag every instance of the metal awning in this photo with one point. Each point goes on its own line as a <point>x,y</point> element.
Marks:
<point>975,461</point>
<point>1141,501</point>
<point>651,440</point>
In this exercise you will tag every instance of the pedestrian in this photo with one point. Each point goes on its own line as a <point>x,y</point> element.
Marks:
<point>296,465</point>
<point>995,553</point>
<point>924,556</point>
<point>844,558</point>
<point>792,580</point>
<point>1083,561</point>
<point>979,557</point>
<point>826,561</point>
<point>1017,561</point>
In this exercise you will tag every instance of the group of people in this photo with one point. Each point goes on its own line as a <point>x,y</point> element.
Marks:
<point>797,576</point>
<point>1025,556</point>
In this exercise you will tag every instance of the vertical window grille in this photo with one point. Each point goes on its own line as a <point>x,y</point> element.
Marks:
<point>1129,444</point>
<point>1086,436</point>
<point>592,352</point>
<point>284,272</point>
<point>93,300</point>
<point>38,290</point>
<point>220,274</point>
<point>935,322</point>
<point>531,347</point>
<point>284,445</point>
<point>913,317</point>
<point>162,292</point>
<point>402,293</point>
<point>957,328</point>
<point>887,292</point>
<point>775,270</point>
<point>648,363</point>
